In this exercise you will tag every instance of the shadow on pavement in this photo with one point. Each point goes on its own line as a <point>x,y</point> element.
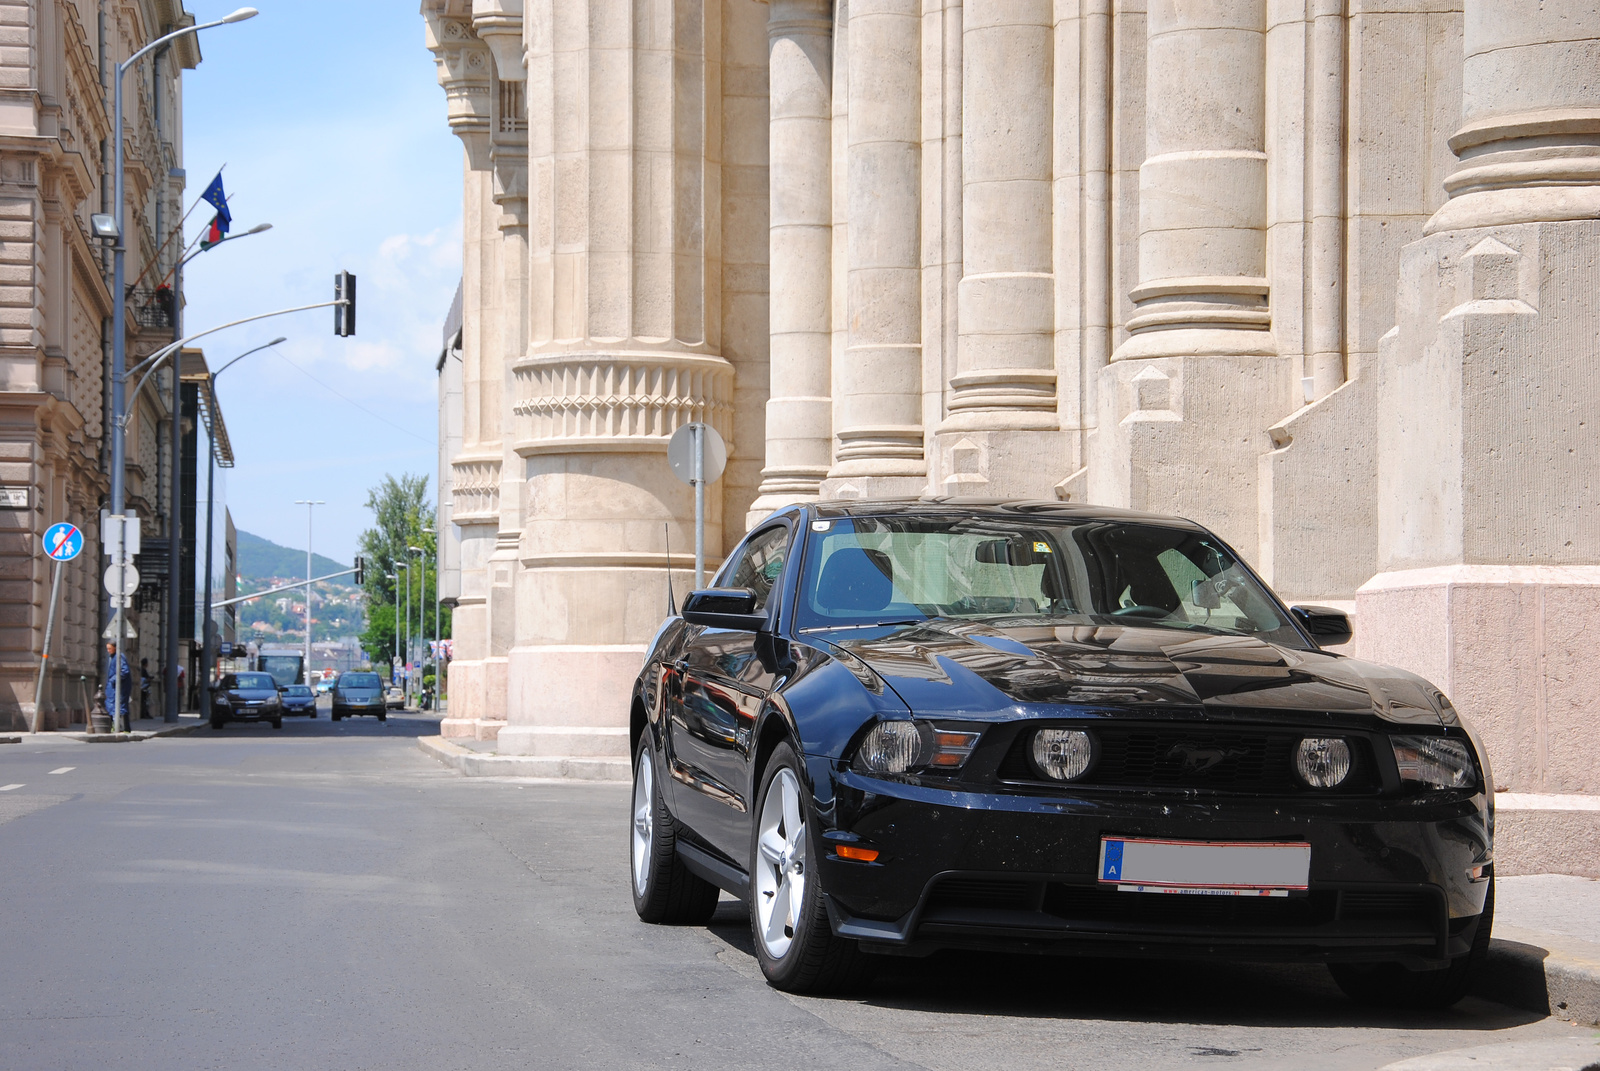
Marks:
<point>1178,991</point>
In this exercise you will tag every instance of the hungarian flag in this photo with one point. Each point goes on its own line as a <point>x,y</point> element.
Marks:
<point>214,233</point>
<point>218,200</point>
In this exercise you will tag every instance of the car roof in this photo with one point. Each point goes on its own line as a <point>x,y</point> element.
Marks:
<point>1019,509</point>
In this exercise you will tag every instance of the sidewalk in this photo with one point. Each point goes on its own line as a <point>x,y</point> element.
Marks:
<point>478,758</point>
<point>141,729</point>
<point>1546,951</point>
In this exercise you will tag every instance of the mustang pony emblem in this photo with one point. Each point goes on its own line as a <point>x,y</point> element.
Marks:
<point>1201,759</point>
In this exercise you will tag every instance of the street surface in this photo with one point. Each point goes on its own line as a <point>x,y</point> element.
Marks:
<point>327,896</point>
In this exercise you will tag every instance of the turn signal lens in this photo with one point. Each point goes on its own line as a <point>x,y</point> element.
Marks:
<point>892,747</point>
<point>860,855</point>
<point>1434,760</point>
<point>1322,761</point>
<point>1062,754</point>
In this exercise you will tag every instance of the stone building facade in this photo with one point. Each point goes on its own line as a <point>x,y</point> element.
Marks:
<point>56,63</point>
<point>1316,273</point>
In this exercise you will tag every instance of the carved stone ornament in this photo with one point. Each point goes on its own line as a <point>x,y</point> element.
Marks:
<point>466,72</point>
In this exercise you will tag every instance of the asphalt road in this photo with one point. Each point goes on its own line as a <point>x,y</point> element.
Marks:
<point>328,897</point>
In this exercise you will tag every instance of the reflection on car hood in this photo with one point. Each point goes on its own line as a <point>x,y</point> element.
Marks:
<point>950,666</point>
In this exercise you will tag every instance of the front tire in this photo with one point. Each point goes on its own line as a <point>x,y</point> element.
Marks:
<point>383,717</point>
<point>216,722</point>
<point>664,891</point>
<point>277,723</point>
<point>1389,985</point>
<point>794,942</point>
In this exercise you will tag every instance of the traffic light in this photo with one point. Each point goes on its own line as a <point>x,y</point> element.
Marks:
<point>361,571</point>
<point>344,313</point>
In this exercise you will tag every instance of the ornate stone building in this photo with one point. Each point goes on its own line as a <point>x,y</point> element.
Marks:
<point>56,59</point>
<point>1319,274</point>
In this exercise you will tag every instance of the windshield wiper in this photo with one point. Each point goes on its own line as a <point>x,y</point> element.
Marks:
<point>870,624</point>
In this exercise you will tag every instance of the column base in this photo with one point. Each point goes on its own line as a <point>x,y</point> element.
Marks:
<point>986,455</point>
<point>1512,647</point>
<point>573,697</point>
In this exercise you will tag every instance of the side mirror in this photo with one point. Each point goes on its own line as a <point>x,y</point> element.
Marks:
<point>733,608</point>
<point>1329,627</point>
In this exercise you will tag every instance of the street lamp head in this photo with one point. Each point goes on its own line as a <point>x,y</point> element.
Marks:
<point>259,227</point>
<point>416,550</point>
<point>104,225</point>
<point>277,340</point>
<point>242,14</point>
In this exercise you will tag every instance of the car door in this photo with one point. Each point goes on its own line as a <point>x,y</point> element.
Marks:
<point>722,683</point>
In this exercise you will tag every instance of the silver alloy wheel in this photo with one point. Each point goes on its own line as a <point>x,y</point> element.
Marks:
<point>644,819</point>
<point>780,864</point>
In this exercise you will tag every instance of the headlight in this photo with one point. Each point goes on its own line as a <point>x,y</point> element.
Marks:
<point>1062,754</point>
<point>1434,760</point>
<point>1322,761</point>
<point>897,747</point>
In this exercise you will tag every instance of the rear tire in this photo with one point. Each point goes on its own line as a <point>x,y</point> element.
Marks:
<point>794,941</point>
<point>664,891</point>
<point>1389,985</point>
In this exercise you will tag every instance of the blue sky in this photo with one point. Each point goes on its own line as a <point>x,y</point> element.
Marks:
<point>332,126</point>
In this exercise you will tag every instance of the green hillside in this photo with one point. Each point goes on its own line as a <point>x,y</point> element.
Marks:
<point>262,558</point>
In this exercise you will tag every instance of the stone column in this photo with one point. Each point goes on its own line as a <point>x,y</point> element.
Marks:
<point>877,388</point>
<point>1002,399</point>
<point>1489,430</point>
<point>800,409</point>
<point>1199,376</point>
<point>624,101</point>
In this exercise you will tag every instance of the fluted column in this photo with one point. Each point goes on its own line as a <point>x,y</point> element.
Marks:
<point>1488,428</point>
<point>878,405</point>
<point>625,291</point>
<point>1198,376</point>
<point>1002,398</point>
<point>800,409</point>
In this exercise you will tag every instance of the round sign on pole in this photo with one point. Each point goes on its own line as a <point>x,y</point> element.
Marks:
<point>122,579</point>
<point>680,453</point>
<point>63,542</point>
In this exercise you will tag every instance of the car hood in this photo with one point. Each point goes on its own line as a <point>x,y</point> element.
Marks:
<point>945,666</point>
<point>253,695</point>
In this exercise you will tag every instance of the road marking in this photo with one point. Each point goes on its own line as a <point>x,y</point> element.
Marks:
<point>64,769</point>
<point>8,788</point>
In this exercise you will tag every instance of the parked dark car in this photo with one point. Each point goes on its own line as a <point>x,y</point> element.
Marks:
<point>299,699</point>
<point>246,697</point>
<point>358,693</point>
<point>895,727</point>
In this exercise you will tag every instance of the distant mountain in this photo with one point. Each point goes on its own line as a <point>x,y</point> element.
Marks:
<point>261,558</point>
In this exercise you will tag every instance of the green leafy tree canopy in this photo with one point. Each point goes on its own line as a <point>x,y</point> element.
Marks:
<point>403,516</point>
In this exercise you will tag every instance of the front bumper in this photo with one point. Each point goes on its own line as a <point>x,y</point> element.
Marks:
<point>1390,877</point>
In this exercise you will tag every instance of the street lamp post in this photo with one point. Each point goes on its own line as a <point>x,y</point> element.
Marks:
<point>396,579</point>
<point>206,626</point>
<point>119,313</point>
<point>310,505</point>
<point>438,633</point>
<point>406,632</point>
<point>422,593</point>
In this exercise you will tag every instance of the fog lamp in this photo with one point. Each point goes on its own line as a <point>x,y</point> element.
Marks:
<point>1322,761</point>
<point>1062,754</point>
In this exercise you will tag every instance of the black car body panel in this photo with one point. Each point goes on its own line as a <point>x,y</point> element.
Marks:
<point>1193,730</point>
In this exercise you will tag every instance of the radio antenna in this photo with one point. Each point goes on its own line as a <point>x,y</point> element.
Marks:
<point>672,604</point>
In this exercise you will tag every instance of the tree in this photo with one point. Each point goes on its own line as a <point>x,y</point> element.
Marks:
<point>401,511</point>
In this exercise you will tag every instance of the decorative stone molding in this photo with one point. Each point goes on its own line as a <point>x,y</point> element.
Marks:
<point>590,402</point>
<point>466,72</point>
<point>475,486</point>
<point>498,23</point>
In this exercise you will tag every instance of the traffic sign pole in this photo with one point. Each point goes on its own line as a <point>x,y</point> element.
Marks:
<point>44,658</point>
<point>699,506</point>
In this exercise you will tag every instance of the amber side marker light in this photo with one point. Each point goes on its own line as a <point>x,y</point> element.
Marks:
<point>860,855</point>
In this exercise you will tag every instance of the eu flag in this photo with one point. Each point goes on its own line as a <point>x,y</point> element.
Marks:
<point>218,200</point>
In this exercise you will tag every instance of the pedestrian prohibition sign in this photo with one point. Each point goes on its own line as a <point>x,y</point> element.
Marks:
<point>63,542</point>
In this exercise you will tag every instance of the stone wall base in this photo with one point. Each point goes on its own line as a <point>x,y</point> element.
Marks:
<point>1536,834</point>
<point>569,697</point>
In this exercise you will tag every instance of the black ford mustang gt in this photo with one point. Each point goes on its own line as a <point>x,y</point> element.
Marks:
<point>894,727</point>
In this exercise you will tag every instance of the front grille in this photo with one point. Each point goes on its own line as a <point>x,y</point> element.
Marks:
<point>1195,757</point>
<point>1416,912</point>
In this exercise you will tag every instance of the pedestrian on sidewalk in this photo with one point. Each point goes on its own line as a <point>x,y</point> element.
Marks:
<point>144,689</point>
<point>119,682</point>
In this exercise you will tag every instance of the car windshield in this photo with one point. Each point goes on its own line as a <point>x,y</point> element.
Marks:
<point>297,689</point>
<point>1007,570</point>
<point>359,680</point>
<point>254,680</point>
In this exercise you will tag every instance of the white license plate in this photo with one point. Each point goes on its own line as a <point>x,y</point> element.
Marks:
<point>1206,867</point>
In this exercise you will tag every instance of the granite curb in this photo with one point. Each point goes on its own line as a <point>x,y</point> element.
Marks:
<point>476,764</point>
<point>1545,973</point>
<point>182,728</point>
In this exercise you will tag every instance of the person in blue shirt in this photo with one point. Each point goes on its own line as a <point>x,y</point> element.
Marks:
<point>117,667</point>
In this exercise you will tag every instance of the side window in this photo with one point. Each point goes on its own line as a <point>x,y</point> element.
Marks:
<point>760,563</point>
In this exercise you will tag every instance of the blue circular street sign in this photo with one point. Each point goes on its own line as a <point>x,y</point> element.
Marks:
<point>63,542</point>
